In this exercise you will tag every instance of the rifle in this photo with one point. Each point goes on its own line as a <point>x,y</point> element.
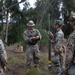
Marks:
<point>49,45</point>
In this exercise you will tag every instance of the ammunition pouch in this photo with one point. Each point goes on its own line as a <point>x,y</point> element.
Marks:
<point>55,59</point>
<point>33,42</point>
<point>71,70</point>
<point>62,51</point>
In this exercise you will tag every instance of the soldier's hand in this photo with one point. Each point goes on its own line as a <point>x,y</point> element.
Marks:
<point>37,37</point>
<point>4,68</point>
<point>50,33</point>
<point>52,54</point>
<point>33,38</point>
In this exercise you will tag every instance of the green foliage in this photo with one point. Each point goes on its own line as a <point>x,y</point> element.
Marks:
<point>34,72</point>
<point>44,60</point>
<point>47,6</point>
<point>69,5</point>
<point>16,34</point>
<point>44,41</point>
<point>19,18</point>
<point>11,58</point>
<point>44,33</point>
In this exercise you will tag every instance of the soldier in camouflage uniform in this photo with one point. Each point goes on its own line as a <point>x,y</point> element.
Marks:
<point>31,37</point>
<point>58,40</point>
<point>70,45</point>
<point>3,58</point>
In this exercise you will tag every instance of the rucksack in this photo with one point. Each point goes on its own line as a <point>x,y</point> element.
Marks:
<point>71,70</point>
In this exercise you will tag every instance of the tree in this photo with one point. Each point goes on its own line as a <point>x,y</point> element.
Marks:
<point>47,6</point>
<point>14,13</point>
<point>69,6</point>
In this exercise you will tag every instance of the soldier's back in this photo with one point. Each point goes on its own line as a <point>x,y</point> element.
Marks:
<point>71,70</point>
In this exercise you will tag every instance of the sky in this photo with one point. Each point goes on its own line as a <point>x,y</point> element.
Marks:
<point>32,2</point>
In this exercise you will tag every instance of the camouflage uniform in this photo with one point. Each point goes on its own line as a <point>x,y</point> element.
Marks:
<point>70,54</point>
<point>3,57</point>
<point>58,44</point>
<point>70,49</point>
<point>32,49</point>
<point>58,41</point>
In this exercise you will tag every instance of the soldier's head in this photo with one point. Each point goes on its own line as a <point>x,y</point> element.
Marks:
<point>58,24</point>
<point>72,19</point>
<point>30,24</point>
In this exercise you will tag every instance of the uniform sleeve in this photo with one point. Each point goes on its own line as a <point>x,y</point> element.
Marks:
<point>58,43</point>
<point>26,37</point>
<point>39,34</point>
<point>2,48</point>
<point>52,37</point>
<point>2,44</point>
<point>3,52</point>
<point>70,51</point>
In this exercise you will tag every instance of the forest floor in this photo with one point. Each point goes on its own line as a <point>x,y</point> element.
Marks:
<point>16,64</point>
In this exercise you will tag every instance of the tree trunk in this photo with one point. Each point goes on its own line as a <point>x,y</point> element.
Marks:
<point>6,33</point>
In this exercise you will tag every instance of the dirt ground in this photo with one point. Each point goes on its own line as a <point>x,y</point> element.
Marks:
<point>16,64</point>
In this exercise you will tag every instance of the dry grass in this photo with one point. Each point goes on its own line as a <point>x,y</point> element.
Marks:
<point>16,65</point>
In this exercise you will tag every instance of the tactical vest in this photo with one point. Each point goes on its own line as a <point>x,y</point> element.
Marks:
<point>32,42</point>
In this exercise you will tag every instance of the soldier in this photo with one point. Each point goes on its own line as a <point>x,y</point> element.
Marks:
<point>70,54</point>
<point>31,37</point>
<point>3,57</point>
<point>58,40</point>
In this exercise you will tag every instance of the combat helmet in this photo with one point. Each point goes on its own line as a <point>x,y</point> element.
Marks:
<point>30,23</point>
<point>58,22</point>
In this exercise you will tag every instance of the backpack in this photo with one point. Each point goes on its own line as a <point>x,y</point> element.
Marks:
<point>71,70</point>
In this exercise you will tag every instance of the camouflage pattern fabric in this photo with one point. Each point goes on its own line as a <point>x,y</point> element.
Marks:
<point>32,51</point>
<point>71,71</point>
<point>59,38</point>
<point>3,54</point>
<point>70,49</point>
<point>1,71</point>
<point>3,57</point>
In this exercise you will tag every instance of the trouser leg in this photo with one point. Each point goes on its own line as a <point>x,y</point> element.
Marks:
<point>36,56</point>
<point>58,70</point>
<point>28,58</point>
